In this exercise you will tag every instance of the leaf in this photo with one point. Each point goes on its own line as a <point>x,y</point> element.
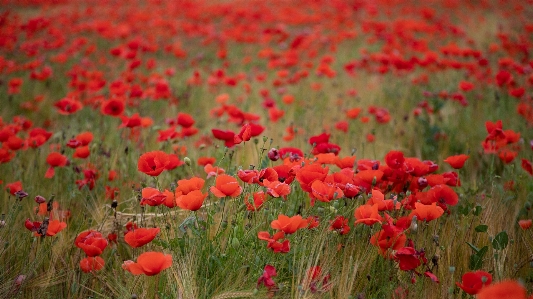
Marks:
<point>500,241</point>
<point>475,262</point>
<point>477,210</point>
<point>481,228</point>
<point>473,247</point>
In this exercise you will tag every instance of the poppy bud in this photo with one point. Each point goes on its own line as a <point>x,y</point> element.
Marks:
<point>39,199</point>
<point>273,154</point>
<point>422,182</point>
<point>187,161</point>
<point>21,194</point>
<point>414,225</point>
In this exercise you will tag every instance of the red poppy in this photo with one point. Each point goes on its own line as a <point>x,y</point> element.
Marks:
<point>148,263</point>
<point>81,152</point>
<point>289,225</point>
<point>367,214</point>
<point>131,122</point>
<point>325,192</point>
<point>277,189</point>
<point>91,242</point>
<point>394,159</point>
<point>525,224</point>
<point>506,289</point>
<point>203,161</point>
<point>114,107</point>
<point>457,161</point>
<point>92,264</point>
<point>274,242</point>
<point>226,185</point>
<point>442,194</point>
<point>54,160</point>
<point>14,187</point>
<point>526,165</point>
<point>152,197</point>
<point>153,163</point>
<point>340,225</point>
<point>213,171</point>
<point>259,198</point>
<point>68,106</point>
<point>427,212</point>
<point>244,135</point>
<point>309,174</point>
<point>141,236</point>
<point>472,282</point>
<point>266,277</point>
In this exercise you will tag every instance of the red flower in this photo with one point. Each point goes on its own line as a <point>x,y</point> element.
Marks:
<point>340,225</point>
<point>148,263</point>
<point>526,165</point>
<point>244,135</point>
<point>408,258</point>
<point>189,195</point>
<point>394,159</point>
<point>113,107</point>
<point>427,212</point>
<point>525,224</point>
<point>226,186</point>
<point>68,106</point>
<point>289,225</point>
<point>14,187</point>
<point>259,199</point>
<point>266,277</point>
<point>506,289</point>
<point>91,242</point>
<point>274,243</point>
<point>457,161</point>
<point>153,163</point>
<point>141,236</point>
<point>91,264</point>
<point>367,214</point>
<point>472,282</point>
<point>152,197</point>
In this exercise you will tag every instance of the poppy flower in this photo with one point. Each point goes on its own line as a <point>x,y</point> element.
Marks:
<point>325,192</point>
<point>131,122</point>
<point>340,225</point>
<point>472,282</point>
<point>266,278</point>
<point>394,159</point>
<point>259,198</point>
<point>152,197</point>
<point>526,165</point>
<point>92,245</point>
<point>91,264</point>
<point>203,161</point>
<point>148,263</point>
<point>213,171</point>
<point>113,107</point>
<point>427,212</point>
<point>54,227</point>
<point>277,189</point>
<point>507,289</point>
<point>525,224</point>
<point>226,185</point>
<point>141,236</point>
<point>407,258</point>
<point>457,161</point>
<point>244,135</point>
<point>81,152</point>
<point>289,225</point>
<point>153,163</point>
<point>185,120</point>
<point>227,136</point>
<point>309,174</point>
<point>274,242</point>
<point>367,214</point>
<point>54,160</point>
<point>442,194</point>
<point>14,187</point>
<point>68,106</point>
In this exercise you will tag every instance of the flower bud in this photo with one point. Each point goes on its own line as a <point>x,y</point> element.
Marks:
<point>39,199</point>
<point>273,154</point>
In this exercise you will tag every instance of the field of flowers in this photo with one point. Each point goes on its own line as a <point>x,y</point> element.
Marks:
<point>266,149</point>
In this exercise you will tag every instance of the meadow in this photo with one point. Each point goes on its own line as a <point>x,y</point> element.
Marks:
<point>266,149</point>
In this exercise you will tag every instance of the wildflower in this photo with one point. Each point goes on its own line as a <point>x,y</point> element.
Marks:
<point>141,236</point>
<point>148,263</point>
<point>153,163</point>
